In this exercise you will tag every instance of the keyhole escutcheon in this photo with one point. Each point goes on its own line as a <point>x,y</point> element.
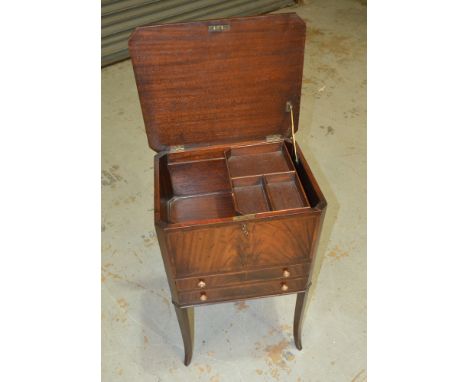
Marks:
<point>245,230</point>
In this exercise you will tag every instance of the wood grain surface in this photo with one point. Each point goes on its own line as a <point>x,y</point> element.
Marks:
<point>200,87</point>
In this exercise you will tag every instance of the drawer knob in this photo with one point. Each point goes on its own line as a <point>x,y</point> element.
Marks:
<point>284,287</point>
<point>286,273</point>
<point>203,296</point>
<point>201,284</point>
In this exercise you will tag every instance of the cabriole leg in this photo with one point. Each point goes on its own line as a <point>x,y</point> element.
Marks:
<point>301,300</point>
<point>185,316</point>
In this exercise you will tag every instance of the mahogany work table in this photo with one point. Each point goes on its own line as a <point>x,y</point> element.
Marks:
<point>238,212</point>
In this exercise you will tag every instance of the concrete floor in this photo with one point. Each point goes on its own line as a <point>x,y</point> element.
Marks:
<point>252,340</point>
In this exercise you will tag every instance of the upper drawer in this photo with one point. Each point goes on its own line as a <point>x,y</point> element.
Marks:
<point>243,245</point>
<point>203,282</point>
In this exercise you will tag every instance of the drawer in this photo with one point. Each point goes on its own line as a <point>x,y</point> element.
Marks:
<point>243,291</point>
<point>221,280</point>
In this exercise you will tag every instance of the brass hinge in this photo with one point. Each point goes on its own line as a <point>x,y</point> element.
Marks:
<point>243,217</point>
<point>177,148</point>
<point>273,138</point>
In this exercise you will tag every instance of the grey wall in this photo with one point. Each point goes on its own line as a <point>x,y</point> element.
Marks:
<point>120,17</point>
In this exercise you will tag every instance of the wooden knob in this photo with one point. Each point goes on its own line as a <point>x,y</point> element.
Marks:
<point>286,273</point>
<point>284,287</point>
<point>203,296</point>
<point>201,284</point>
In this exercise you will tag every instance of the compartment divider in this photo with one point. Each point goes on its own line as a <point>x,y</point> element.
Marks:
<point>231,182</point>
<point>265,174</point>
<point>267,192</point>
<point>289,159</point>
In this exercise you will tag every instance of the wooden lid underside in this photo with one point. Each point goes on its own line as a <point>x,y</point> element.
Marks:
<point>219,81</point>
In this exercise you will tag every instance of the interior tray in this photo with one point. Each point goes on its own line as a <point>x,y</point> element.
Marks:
<point>269,192</point>
<point>249,195</point>
<point>199,177</point>
<point>285,191</point>
<point>258,160</point>
<point>200,187</point>
<point>226,182</point>
<point>199,207</point>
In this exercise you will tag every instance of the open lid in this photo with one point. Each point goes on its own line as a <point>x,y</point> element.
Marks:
<point>219,81</point>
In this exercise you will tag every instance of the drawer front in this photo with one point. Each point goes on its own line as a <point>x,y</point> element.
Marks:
<point>240,246</point>
<point>243,291</point>
<point>205,282</point>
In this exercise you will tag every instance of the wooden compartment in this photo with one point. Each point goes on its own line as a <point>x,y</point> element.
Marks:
<point>250,196</point>
<point>263,178</point>
<point>208,184</point>
<point>200,187</point>
<point>285,191</point>
<point>201,207</point>
<point>199,177</point>
<point>258,160</point>
<point>229,181</point>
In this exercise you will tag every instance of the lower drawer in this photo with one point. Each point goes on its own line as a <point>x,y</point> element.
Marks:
<point>242,291</point>
<point>264,274</point>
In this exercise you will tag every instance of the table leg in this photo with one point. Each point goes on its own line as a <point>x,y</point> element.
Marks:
<point>185,316</point>
<point>301,300</point>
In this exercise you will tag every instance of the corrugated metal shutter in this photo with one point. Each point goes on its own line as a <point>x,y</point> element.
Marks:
<point>120,17</point>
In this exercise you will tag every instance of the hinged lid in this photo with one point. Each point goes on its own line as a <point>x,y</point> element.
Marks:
<point>219,81</point>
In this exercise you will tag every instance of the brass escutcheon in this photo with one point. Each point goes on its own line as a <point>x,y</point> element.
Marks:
<point>244,229</point>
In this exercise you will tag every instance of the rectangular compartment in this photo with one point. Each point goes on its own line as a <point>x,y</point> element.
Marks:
<point>200,207</point>
<point>199,173</point>
<point>285,191</point>
<point>249,195</point>
<point>199,186</point>
<point>258,160</point>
